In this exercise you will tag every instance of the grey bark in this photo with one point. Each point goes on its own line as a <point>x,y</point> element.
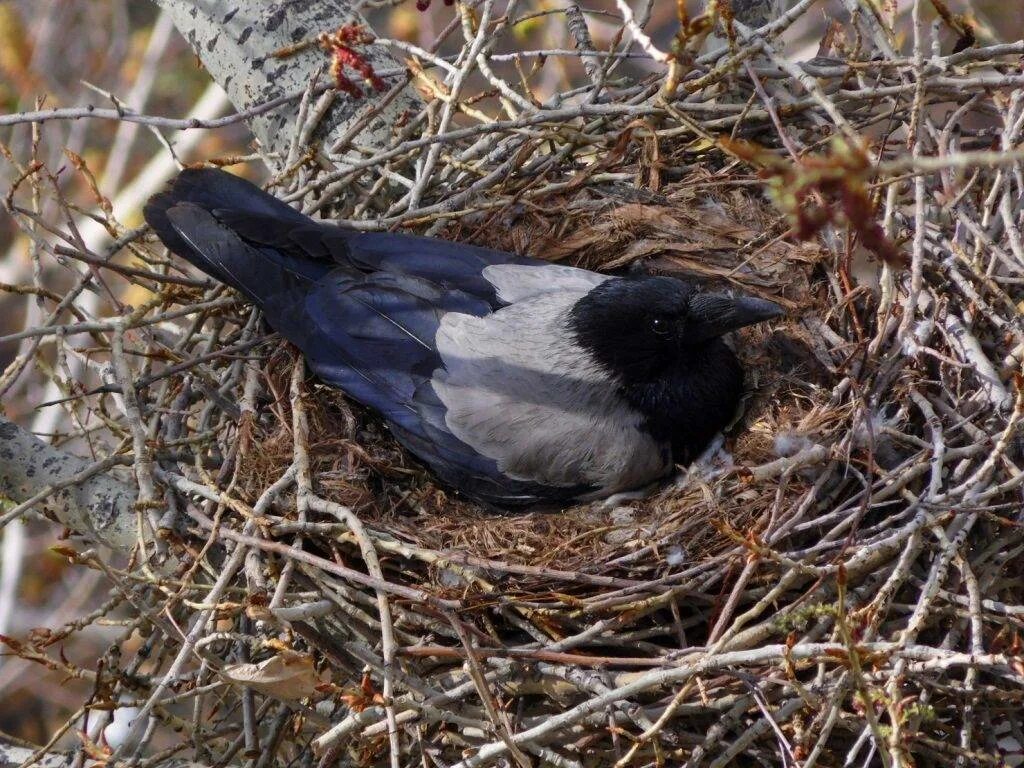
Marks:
<point>577,24</point>
<point>100,506</point>
<point>236,40</point>
<point>757,13</point>
<point>13,757</point>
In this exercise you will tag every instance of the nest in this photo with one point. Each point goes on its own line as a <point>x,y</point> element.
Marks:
<point>838,579</point>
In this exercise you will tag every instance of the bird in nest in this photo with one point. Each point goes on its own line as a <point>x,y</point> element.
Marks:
<point>518,382</point>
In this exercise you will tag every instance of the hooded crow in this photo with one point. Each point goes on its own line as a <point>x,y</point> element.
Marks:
<point>517,381</point>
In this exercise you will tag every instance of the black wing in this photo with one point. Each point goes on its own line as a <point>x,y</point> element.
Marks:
<point>312,248</point>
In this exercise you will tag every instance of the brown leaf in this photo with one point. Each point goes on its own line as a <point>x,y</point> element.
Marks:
<point>556,250</point>
<point>289,678</point>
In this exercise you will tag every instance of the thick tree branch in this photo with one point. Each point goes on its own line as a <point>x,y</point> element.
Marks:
<point>78,493</point>
<point>12,757</point>
<point>237,41</point>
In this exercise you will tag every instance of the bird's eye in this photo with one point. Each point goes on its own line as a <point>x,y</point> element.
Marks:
<point>660,326</point>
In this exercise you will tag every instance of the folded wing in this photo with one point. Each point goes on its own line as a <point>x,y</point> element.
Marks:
<point>518,389</point>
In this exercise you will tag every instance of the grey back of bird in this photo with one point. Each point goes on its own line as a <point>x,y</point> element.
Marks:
<point>519,390</point>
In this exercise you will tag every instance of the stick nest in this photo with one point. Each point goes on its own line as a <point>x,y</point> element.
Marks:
<point>841,579</point>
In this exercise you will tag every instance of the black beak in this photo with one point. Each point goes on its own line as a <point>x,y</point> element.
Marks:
<point>712,315</point>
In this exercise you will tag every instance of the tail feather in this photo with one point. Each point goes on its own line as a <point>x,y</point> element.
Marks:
<point>211,188</point>
<point>222,254</point>
<point>155,214</point>
<point>196,219</point>
<point>306,248</point>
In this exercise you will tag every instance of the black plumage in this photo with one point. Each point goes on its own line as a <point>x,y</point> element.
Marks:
<point>516,381</point>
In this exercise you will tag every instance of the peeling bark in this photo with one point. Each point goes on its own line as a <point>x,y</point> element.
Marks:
<point>236,40</point>
<point>100,506</point>
<point>12,757</point>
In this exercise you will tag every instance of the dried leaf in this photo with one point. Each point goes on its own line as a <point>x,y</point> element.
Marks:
<point>290,678</point>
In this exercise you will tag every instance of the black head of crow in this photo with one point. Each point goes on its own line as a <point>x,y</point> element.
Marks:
<point>517,381</point>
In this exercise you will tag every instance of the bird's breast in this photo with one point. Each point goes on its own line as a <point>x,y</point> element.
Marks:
<point>691,401</point>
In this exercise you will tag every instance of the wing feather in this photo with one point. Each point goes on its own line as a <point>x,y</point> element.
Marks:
<point>517,282</point>
<point>375,337</point>
<point>519,391</point>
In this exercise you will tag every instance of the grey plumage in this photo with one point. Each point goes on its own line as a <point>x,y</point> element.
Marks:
<point>515,282</point>
<point>520,391</point>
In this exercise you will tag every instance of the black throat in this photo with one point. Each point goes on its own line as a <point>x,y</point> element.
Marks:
<point>691,400</point>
